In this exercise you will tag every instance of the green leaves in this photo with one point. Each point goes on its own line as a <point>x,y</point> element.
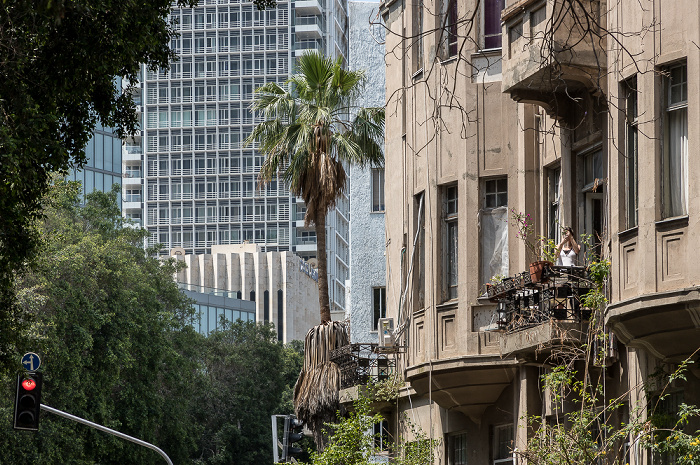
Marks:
<point>117,348</point>
<point>58,78</point>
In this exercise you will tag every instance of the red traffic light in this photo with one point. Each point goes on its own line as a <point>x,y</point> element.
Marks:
<point>28,401</point>
<point>28,384</point>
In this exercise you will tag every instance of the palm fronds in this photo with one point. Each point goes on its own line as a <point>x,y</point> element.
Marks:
<point>316,391</point>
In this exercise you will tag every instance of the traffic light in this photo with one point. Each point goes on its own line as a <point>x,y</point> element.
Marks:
<point>27,401</point>
<point>292,433</point>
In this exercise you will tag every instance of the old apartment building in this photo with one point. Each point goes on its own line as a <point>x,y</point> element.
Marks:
<point>579,114</point>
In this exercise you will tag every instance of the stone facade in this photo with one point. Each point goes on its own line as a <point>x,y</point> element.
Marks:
<point>283,286</point>
<point>594,135</point>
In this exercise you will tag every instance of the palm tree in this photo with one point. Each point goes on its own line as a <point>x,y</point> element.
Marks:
<point>312,128</point>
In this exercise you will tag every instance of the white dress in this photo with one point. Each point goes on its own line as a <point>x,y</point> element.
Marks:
<point>567,257</point>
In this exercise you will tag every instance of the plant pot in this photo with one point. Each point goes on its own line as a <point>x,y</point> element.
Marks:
<point>490,290</point>
<point>537,269</point>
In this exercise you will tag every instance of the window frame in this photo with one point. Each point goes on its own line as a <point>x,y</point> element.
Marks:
<point>448,23</point>
<point>554,202</point>
<point>496,443</point>
<point>378,180</point>
<point>484,36</point>
<point>673,109</point>
<point>417,54</point>
<point>450,242</point>
<point>592,193</point>
<point>631,153</point>
<point>377,313</point>
<point>459,438</point>
<point>496,183</point>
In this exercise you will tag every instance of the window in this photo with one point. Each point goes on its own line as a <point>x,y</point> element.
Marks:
<point>419,273</point>
<point>449,19</point>
<point>457,449</point>
<point>503,445</point>
<point>417,45</point>
<point>496,193</point>
<point>631,154</point>
<point>379,305</point>
<point>675,152</point>
<point>665,414</point>
<point>493,239</point>
<point>553,193</point>
<point>593,194</point>
<point>381,436</point>
<point>378,190</point>
<point>492,23</point>
<point>451,242</point>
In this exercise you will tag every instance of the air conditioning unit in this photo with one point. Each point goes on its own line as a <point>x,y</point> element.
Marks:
<point>385,327</point>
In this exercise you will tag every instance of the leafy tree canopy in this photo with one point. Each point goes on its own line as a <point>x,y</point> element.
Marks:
<point>117,348</point>
<point>58,66</point>
<point>57,80</point>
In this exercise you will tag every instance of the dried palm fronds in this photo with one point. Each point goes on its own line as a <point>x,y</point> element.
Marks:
<point>316,390</point>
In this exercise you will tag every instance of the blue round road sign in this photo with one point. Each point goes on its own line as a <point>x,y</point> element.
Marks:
<point>31,361</point>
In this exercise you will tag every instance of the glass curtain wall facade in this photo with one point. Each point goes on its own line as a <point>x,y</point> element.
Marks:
<point>104,163</point>
<point>194,185</point>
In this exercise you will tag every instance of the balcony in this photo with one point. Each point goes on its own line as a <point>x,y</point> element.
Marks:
<point>361,363</point>
<point>308,7</point>
<point>548,58</point>
<point>536,315</point>
<point>132,152</point>
<point>467,384</point>
<point>309,27</point>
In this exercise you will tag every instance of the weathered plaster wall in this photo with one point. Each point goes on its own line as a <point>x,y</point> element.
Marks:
<point>367,260</point>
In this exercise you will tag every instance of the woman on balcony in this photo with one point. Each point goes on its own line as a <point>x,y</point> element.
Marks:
<point>568,249</point>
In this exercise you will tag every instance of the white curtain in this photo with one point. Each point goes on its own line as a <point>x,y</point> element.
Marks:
<point>494,243</point>
<point>677,177</point>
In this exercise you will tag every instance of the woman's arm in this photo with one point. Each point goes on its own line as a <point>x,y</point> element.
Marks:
<point>574,246</point>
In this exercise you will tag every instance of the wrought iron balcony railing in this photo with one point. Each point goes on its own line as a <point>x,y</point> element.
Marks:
<point>360,363</point>
<point>523,303</point>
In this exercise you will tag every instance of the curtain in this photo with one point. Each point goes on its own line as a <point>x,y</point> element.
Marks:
<point>677,175</point>
<point>494,243</point>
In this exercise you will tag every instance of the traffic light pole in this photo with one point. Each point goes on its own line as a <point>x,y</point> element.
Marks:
<point>63,414</point>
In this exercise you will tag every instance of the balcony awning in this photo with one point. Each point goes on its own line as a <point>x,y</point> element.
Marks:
<point>468,385</point>
<point>667,324</point>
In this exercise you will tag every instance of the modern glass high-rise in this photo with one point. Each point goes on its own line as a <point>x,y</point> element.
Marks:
<point>191,181</point>
<point>104,163</point>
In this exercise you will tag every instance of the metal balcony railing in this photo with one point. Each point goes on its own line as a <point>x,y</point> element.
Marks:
<point>360,363</point>
<point>524,302</point>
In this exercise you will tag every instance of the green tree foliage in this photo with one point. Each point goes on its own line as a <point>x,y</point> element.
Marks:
<point>57,80</point>
<point>108,320</point>
<point>351,441</point>
<point>58,66</point>
<point>117,348</point>
<point>245,374</point>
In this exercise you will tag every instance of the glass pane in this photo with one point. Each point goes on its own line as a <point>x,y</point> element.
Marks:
<point>490,201</point>
<point>503,185</point>
<point>502,200</point>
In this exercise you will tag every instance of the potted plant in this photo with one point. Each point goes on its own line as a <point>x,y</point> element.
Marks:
<point>541,248</point>
<point>492,287</point>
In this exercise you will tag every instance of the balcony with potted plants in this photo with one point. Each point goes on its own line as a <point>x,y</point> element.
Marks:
<point>547,305</point>
<point>538,310</point>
